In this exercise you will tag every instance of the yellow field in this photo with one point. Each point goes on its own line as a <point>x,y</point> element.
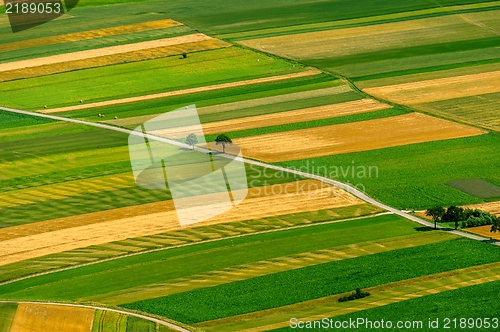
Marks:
<point>91,34</point>
<point>310,72</point>
<point>484,231</point>
<point>101,52</point>
<point>493,207</point>
<point>54,236</point>
<point>101,61</point>
<point>308,114</point>
<point>439,89</point>
<point>352,137</point>
<point>67,189</point>
<point>343,42</point>
<point>50,318</point>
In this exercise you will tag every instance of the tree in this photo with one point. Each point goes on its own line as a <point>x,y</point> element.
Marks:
<point>453,214</point>
<point>436,213</point>
<point>223,139</point>
<point>495,226</point>
<point>191,139</point>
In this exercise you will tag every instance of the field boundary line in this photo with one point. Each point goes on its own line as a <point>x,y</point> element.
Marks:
<point>124,312</point>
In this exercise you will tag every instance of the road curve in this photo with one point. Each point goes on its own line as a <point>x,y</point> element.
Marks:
<point>155,320</point>
<point>338,184</point>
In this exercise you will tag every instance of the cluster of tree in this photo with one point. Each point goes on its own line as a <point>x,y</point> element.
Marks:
<point>463,217</point>
<point>357,294</point>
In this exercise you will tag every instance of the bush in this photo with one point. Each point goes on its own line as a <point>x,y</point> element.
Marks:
<point>474,218</point>
<point>357,294</point>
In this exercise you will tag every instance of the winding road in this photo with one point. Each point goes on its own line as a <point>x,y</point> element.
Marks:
<point>338,184</point>
<point>348,188</point>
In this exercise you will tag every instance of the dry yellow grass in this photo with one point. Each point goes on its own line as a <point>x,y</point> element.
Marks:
<point>308,114</point>
<point>343,42</point>
<point>101,61</point>
<point>439,89</point>
<point>91,34</point>
<point>310,72</point>
<point>50,318</point>
<point>352,137</point>
<point>100,52</point>
<point>65,234</point>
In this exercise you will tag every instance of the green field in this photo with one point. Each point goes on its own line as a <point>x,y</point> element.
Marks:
<point>457,304</point>
<point>176,238</point>
<point>141,78</point>
<point>481,110</point>
<point>162,266</point>
<point>209,98</point>
<point>252,273</point>
<point>414,176</point>
<point>308,283</point>
<point>7,312</point>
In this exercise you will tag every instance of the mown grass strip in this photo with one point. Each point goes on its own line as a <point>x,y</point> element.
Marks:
<point>318,281</point>
<point>266,267</point>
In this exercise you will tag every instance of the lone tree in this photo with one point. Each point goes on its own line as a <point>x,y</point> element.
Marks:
<point>453,214</point>
<point>223,139</point>
<point>191,139</point>
<point>436,213</point>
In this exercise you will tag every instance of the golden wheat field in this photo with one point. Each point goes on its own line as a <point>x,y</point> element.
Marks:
<point>484,231</point>
<point>101,52</point>
<point>107,60</point>
<point>439,89</point>
<point>48,237</point>
<point>352,137</point>
<point>50,318</point>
